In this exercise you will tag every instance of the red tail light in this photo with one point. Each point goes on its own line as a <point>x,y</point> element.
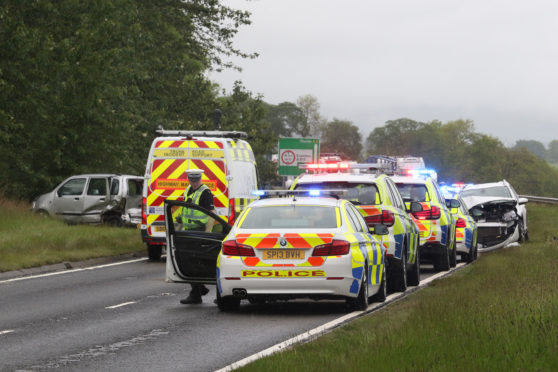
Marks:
<point>143,214</point>
<point>387,218</point>
<point>232,248</point>
<point>460,223</point>
<point>335,248</point>
<point>232,212</point>
<point>429,214</point>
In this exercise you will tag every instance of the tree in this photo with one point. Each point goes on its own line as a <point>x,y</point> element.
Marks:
<point>395,138</point>
<point>285,119</point>
<point>341,136</point>
<point>553,151</point>
<point>83,85</point>
<point>313,122</point>
<point>535,147</point>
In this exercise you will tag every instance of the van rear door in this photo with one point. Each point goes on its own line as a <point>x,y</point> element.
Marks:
<point>192,255</point>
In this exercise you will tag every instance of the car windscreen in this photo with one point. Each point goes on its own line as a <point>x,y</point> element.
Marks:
<point>413,192</point>
<point>357,193</point>
<point>289,217</point>
<point>494,191</point>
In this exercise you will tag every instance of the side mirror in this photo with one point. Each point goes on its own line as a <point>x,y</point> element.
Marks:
<point>522,201</point>
<point>379,229</point>
<point>415,207</point>
<point>453,203</point>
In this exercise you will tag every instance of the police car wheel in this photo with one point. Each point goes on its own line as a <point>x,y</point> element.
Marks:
<point>414,274</point>
<point>361,301</point>
<point>453,255</point>
<point>441,261</point>
<point>381,295</point>
<point>399,273</point>
<point>227,303</point>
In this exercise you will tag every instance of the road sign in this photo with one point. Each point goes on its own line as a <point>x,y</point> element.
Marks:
<point>295,151</point>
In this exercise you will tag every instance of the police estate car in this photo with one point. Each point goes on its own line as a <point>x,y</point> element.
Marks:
<point>378,201</point>
<point>282,249</point>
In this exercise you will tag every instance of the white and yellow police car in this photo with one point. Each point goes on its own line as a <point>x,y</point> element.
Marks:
<point>281,249</point>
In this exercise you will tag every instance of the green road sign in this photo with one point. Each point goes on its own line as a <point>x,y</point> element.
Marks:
<point>295,151</point>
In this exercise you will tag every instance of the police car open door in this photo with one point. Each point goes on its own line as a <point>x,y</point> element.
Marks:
<point>192,254</point>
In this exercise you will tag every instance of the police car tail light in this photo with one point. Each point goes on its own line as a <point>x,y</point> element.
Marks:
<point>232,248</point>
<point>335,248</point>
<point>460,223</point>
<point>428,214</point>
<point>387,218</point>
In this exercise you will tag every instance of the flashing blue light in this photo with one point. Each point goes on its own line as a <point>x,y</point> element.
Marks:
<point>258,192</point>
<point>315,192</point>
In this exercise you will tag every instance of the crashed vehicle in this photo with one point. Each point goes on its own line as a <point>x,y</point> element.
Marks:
<point>94,198</point>
<point>500,214</point>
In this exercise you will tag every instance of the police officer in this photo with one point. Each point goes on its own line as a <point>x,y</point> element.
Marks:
<point>192,219</point>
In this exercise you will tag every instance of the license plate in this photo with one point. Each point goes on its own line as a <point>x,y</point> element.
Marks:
<point>283,254</point>
<point>160,228</point>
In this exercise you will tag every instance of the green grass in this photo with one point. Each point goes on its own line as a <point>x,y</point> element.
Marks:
<point>499,314</point>
<point>28,240</point>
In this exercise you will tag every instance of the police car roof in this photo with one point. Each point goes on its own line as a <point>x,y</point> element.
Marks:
<point>298,200</point>
<point>336,177</point>
<point>196,138</point>
<point>407,179</point>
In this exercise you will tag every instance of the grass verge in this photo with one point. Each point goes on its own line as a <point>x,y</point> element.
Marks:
<point>501,313</point>
<point>28,240</point>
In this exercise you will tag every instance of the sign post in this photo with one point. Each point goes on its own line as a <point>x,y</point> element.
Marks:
<point>295,151</point>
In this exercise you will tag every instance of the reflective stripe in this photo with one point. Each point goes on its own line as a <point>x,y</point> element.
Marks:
<point>192,218</point>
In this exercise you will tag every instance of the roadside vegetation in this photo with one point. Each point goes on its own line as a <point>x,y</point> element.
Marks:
<point>498,314</point>
<point>28,240</point>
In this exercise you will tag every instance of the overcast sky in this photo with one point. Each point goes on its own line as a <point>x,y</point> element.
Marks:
<point>492,61</point>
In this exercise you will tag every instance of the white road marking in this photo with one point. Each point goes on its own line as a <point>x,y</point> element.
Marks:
<point>120,305</point>
<point>323,329</point>
<point>72,270</point>
<point>6,331</point>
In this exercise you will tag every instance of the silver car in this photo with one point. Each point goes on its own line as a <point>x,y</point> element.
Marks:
<point>94,198</point>
<point>500,214</point>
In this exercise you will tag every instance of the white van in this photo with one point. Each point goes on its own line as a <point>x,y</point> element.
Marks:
<point>229,171</point>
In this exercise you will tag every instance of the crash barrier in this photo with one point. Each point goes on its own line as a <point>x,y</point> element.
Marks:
<point>540,199</point>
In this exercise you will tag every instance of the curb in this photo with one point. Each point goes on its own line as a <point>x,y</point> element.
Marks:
<point>69,265</point>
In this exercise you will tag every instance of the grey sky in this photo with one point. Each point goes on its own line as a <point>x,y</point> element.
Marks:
<point>492,61</point>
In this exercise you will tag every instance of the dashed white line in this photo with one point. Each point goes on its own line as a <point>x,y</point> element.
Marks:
<point>316,332</point>
<point>71,271</point>
<point>120,305</point>
<point>6,331</point>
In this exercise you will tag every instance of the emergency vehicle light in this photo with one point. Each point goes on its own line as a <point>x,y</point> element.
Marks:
<point>422,172</point>
<point>324,166</point>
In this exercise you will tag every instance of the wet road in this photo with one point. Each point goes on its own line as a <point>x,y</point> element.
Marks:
<point>127,318</point>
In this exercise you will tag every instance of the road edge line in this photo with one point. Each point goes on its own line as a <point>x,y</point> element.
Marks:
<point>328,327</point>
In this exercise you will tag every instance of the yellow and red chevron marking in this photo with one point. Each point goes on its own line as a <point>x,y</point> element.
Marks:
<point>168,174</point>
<point>264,241</point>
<point>367,210</point>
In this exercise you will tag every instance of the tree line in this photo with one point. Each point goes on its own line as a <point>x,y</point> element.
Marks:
<point>84,85</point>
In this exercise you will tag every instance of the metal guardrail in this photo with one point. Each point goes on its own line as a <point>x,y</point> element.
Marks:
<point>540,199</point>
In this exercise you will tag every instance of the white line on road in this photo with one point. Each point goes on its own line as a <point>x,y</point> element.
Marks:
<point>6,331</point>
<point>72,270</point>
<point>120,305</point>
<point>316,332</point>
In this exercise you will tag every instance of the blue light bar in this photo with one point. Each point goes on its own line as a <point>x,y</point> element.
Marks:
<point>258,192</point>
<point>315,192</point>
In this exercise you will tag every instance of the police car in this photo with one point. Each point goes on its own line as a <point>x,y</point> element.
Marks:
<point>465,230</point>
<point>435,222</point>
<point>281,249</point>
<point>378,201</point>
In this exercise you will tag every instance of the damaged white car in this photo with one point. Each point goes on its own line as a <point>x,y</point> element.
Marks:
<point>500,214</point>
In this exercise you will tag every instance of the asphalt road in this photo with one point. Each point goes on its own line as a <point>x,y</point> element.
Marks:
<point>126,318</point>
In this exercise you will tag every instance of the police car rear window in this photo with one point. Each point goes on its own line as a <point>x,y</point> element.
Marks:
<point>358,193</point>
<point>290,217</point>
<point>413,192</point>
